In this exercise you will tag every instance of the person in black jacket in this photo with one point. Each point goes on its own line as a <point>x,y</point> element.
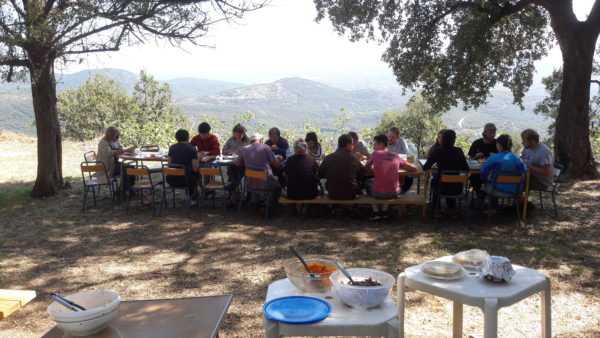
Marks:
<point>301,170</point>
<point>447,157</point>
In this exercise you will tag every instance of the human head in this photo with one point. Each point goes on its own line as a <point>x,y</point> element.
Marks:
<point>380,142</point>
<point>438,140</point>
<point>354,136</point>
<point>530,138</point>
<point>256,138</point>
<point>448,138</point>
<point>393,135</point>
<point>489,131</point>
<point>504,143</point>
<point>239,132</point>
<point>345,142</point>
<point>300,147</point>
<point>182,135</point>
<point>112,134</point>
<point>311,139</point>
<point>274,135</point>
<point>204,130</point>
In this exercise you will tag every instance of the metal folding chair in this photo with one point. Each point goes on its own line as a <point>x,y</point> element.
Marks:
<point>259,174</point>
<point>94,174</point>
<point>510,178</point>
<point>451,177</point>
<point>557,171</point>
<point>143,183</point>
<point>216,183</point>
<point>176,170</point>
<point>151,149</point>
<point>89,156</point>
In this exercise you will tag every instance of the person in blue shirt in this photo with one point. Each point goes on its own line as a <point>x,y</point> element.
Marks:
<point>504,161</point>
<point>278,144</point>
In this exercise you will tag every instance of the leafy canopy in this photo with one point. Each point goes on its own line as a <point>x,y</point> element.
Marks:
<point>454,50</point>
<point>148,116</point>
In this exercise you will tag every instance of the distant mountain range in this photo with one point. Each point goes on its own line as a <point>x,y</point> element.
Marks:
<point>287,103</point>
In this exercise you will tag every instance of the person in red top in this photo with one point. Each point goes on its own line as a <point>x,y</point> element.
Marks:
<point>385,166</point>
<point>206,143</point>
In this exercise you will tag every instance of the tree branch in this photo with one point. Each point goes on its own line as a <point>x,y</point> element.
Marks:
<point>594,18</point>
<point>596,82</point>
<point>14,62</point>
<point>507,10</point>
<point>18,9</point>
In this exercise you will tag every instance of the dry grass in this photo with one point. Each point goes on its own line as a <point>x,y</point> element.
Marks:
<point>49,245</point>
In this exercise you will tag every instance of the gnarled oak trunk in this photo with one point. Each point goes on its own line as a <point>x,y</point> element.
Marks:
<point>43,90</point>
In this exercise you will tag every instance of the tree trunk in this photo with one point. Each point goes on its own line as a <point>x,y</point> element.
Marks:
<point>572,137</point>
<point>49,155</point>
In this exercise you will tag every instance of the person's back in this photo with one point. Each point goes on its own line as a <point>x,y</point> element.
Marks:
<point>385,171</point>
<point>505,162</point>
<point>447,158</point>
<point>302,182</point>
<point>343,172</point>
<point>183,154</point>
<point>257,156</point>
<point>540,156</point>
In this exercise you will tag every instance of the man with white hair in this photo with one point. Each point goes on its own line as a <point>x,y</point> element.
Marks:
<point>258,156</point>
<point>301,170</point>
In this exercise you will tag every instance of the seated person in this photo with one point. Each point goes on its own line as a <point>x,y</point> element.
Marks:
<point>183,153</point>
<point>258,156</point>
<point>398,145</point>
<point>206,143</point>
<point>314,147</point>
<point>437,144</point>
<point>278,144</point>
<point>301,170</point>
<point>447,157</point>
<point>109,149</point>
<point>481,149</point>
<point>538,159</point>
<point>238,140</point>
<point>360,151</point>
<point>386,183</point>
<point>343,171</point>
<point>503,161</point>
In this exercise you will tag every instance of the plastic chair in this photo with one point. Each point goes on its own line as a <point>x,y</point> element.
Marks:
<point>89,156</point>
<point>557,171</point>
<point>143,183</point>
<point>151,149</point>
<point>97,176</point>
<point>451,177</point>
<point>259,174</point>
<point>216,183</point>
<point>511,178</point>
<point>177,170</point>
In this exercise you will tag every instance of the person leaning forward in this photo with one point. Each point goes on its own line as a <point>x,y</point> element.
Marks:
<point>343,171</point>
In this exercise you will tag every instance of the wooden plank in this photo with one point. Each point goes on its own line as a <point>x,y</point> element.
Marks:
<point>11,300</point>
<point>413,199</point>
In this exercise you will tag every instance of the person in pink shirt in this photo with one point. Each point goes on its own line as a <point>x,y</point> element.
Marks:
<point>386,183</point>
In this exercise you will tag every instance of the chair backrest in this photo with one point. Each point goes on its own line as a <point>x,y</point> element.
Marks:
<point>141,173</point>
<point>557,171</point>
<point>212,170</point>
<point>93,167</point>
<point>89,156</point>
<point>174,170</point>
<point>509,177</point>
<point>209,171</point>
<point>454,177</point>
<point>255,173</point>
<point>149,148</point>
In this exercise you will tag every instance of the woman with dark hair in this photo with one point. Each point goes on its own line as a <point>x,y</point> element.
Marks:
<point>447,157</point>
<point>314,147</point>
<point>238,140</point>
<point>437,144</point>
<point>504,161</point>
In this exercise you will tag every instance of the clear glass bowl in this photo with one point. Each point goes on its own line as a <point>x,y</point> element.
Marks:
<point>301,279</point>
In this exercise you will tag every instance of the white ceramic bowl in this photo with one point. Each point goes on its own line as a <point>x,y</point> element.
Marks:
<point>101,307</point>
<point>362,296</point>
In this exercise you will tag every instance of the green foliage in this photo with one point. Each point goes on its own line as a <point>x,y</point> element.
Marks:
<point>455,51</point>
<point>147,117</point>
<point>418,123</point>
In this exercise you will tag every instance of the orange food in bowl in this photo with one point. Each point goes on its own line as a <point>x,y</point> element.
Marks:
<point>323,271</point>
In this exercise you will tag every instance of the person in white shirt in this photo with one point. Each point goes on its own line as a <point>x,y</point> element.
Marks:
<point>397,144</point>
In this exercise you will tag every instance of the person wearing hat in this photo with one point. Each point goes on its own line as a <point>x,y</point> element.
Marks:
<point>481,149</point>
<point>258,156</point>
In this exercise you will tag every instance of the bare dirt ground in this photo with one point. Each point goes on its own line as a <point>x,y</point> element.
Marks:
<point>50,246</point>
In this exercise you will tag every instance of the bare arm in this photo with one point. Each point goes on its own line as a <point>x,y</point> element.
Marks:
<point>409,167</point>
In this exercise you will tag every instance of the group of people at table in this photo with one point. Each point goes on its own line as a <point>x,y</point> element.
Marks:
<point>351,169</point>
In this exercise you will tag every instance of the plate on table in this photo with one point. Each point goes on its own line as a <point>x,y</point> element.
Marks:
<point>443,270</point>
<point>297,309</point>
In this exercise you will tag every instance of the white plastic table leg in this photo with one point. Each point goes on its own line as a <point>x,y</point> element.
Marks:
<point>401,302</point>
<point>457,320</point>
<point>271,329</point>
<point>393,330</point>
<point>546,311</point>
<point>490,318</point>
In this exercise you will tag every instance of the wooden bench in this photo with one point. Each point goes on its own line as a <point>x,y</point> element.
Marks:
<point>410,198</point>
<point>12,300</point>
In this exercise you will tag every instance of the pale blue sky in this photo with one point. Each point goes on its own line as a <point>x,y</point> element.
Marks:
<point>282,40</point>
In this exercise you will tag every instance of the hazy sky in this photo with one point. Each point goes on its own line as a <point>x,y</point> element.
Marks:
<point>282,40</point>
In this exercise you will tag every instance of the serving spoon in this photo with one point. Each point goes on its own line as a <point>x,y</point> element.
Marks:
<point>345,272</point>
<point>297,254</point>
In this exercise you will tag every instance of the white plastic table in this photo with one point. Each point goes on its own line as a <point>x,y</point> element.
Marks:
<point>342,321</point>
<point>488,296</point>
